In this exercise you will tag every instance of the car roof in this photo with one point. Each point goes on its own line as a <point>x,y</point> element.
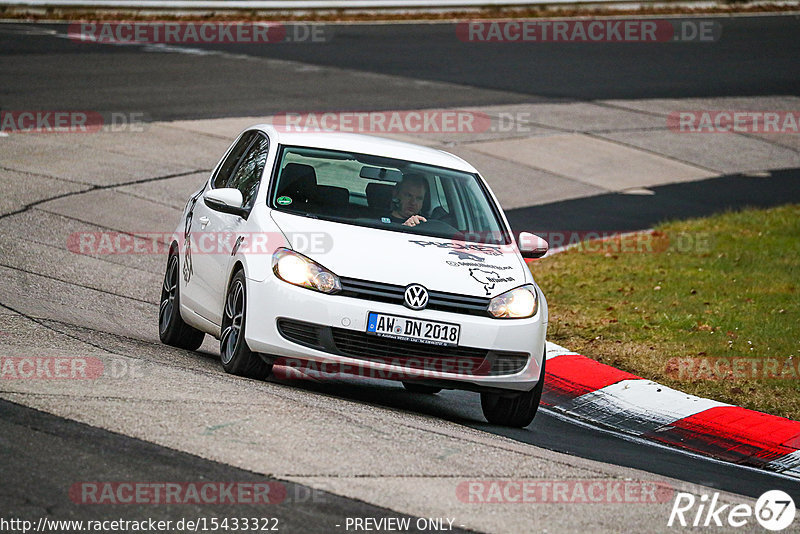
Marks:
<point>367,144</point>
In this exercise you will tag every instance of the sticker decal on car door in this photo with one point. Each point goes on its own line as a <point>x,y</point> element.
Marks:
<point>187,238</point>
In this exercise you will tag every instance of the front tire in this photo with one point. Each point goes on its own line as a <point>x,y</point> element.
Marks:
<point>172,330</point>
<point>237,358</point>
<point>517,410</point>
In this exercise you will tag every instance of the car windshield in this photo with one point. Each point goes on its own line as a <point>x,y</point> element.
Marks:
<point>384,193</point>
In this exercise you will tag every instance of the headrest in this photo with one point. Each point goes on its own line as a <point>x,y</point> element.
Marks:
<point>379,196</point>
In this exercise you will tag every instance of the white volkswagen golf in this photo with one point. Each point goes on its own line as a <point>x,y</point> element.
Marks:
<point>365,253</point>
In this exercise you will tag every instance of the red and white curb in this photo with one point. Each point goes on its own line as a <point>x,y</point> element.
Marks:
<point>587,390</point>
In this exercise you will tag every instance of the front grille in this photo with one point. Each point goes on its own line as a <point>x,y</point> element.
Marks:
<point>408,354</point>
<point>394,294</point>
<point>411,355</point>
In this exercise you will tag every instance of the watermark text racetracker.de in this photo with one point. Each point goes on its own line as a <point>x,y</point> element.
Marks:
<point>389,368</point>
<point>71,121</point>
<point>605,30</point>
<point>591,491</point>
<point>427,121</point>
<point>621,242</point>
<point>423,121</point>
<point>194,492</point>
<point>734,121</point>
<point>733,368</point>
<point>589,241</point>
<point>196,33</point>
<point>71,368</point>
<point>138,243</point>
<point>50,368</point>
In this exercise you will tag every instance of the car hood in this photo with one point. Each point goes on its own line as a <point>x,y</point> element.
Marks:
<point>402,258</point>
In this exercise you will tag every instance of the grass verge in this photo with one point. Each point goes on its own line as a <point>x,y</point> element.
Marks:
<point>707,306</point>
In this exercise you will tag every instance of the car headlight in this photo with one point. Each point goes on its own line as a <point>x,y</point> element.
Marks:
<point>515,304</point>
<point>296,269</point>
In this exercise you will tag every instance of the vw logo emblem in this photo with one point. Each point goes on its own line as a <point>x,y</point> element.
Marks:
<point>416,297</point>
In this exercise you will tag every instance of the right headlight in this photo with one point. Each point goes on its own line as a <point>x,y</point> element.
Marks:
<point>298,270</point>
<point>517,303</point>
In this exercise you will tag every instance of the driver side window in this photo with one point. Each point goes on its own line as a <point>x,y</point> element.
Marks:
<point>229,165</point>
<point>247,176</point>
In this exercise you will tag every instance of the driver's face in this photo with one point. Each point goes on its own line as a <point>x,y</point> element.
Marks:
<point>411,198</point>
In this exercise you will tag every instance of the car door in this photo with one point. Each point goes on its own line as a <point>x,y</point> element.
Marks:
<point>200,238</point>
<point>218,231</point>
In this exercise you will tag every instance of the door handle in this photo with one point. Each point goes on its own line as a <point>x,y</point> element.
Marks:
<point>204,221</point>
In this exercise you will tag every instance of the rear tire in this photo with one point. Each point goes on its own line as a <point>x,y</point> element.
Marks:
<point>237,358</point>
<point>517,410</point>
<point>413,387</point>
<point>172,330</point>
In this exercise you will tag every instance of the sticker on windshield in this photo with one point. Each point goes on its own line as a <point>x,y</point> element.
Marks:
<point>284,201</point>
<point>386,220</point>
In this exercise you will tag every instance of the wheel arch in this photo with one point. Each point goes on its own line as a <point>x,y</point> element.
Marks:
<point>238,265</point>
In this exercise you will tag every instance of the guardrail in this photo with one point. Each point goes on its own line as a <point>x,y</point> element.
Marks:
<point>289,5</point>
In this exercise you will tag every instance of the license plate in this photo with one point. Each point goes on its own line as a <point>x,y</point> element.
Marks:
<point>410,329</point>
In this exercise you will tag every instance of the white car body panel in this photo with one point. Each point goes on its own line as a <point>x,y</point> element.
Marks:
<point>399,258</point>
<point>523,335</point>
<point>371,254</point>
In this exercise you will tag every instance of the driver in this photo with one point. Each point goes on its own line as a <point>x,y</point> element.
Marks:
<point>407,201</point>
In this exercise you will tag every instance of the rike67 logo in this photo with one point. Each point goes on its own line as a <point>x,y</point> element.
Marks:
<point>774,510</point>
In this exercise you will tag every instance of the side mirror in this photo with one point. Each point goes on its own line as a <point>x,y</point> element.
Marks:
<point>532,246</point>
<point>226,200</point>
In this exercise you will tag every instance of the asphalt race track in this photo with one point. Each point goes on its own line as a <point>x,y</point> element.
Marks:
<point>345,448</point>
<point>756,56</point>
<point>32,439</point>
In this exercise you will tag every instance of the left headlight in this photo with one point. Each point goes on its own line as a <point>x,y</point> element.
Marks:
<point>298,270</point>
<point>515,304</point>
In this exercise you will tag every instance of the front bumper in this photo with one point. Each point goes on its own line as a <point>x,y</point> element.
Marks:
<point>344,318</point>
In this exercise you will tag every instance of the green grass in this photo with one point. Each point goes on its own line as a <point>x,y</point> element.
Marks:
<point>712,289</point>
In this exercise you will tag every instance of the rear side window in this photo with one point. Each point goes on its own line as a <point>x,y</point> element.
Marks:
<point>229,165</point>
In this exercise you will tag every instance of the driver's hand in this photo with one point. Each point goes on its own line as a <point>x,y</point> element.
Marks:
<point>415,220</point>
